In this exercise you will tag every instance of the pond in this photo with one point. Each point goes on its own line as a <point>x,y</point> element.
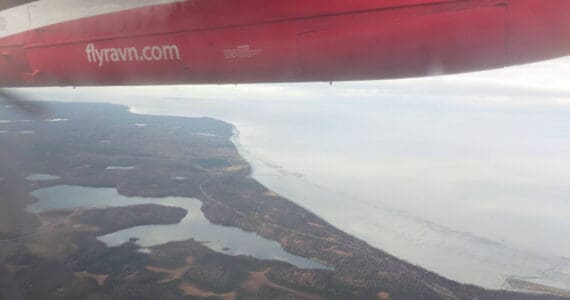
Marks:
<point>110,168</point>
<point>42,177</point>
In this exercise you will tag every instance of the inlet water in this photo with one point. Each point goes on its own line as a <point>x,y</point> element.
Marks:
<point>229,240</point>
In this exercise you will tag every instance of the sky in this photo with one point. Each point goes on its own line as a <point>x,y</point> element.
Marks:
<point>536,86</point>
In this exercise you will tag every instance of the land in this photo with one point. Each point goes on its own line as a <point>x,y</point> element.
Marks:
<point>118,218</point>
<point>57,255</point>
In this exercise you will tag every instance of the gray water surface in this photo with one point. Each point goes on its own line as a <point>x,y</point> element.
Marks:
<point>229,240</point>
<point>111,168</point>
<point>42,177</point>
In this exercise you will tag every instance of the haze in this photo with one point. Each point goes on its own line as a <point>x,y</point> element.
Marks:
<point>466,175</point>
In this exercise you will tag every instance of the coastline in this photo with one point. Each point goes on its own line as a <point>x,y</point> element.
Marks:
<point>488,264</point>
<point>199,150</point>
<point>485,271</point>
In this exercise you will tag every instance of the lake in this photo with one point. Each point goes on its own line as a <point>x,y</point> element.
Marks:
<point>228,240</point>
<point>42,177</point>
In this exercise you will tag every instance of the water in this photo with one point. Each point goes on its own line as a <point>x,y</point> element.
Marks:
<point>111,168</point>
<point>228,240</point>
<point>477,196</point>
<point>42,177</point>
<point>482,188</point>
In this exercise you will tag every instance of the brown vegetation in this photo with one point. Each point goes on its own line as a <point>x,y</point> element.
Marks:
<point>97,277</point>
<point>257,280</point>
<point>192,290</point>
<point>173,274</point>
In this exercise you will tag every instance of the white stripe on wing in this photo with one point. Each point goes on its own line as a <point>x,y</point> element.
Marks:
<point>49,12</point>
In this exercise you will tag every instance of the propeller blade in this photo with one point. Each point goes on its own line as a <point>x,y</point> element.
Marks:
<point>33,109</point>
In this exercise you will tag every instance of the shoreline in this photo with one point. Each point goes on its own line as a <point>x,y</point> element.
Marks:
<point>257,167</point>
<point>503,283</point>
<point>215,173</point>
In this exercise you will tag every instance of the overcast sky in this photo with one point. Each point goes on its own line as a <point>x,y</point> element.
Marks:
<point>543,84</point>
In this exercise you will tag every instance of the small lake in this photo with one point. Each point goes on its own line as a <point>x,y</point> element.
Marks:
<point>228,240</point>
<point>42,177</point>
<point>110,168</point>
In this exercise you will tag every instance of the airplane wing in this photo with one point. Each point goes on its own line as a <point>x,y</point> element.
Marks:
<point>135,42</point>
